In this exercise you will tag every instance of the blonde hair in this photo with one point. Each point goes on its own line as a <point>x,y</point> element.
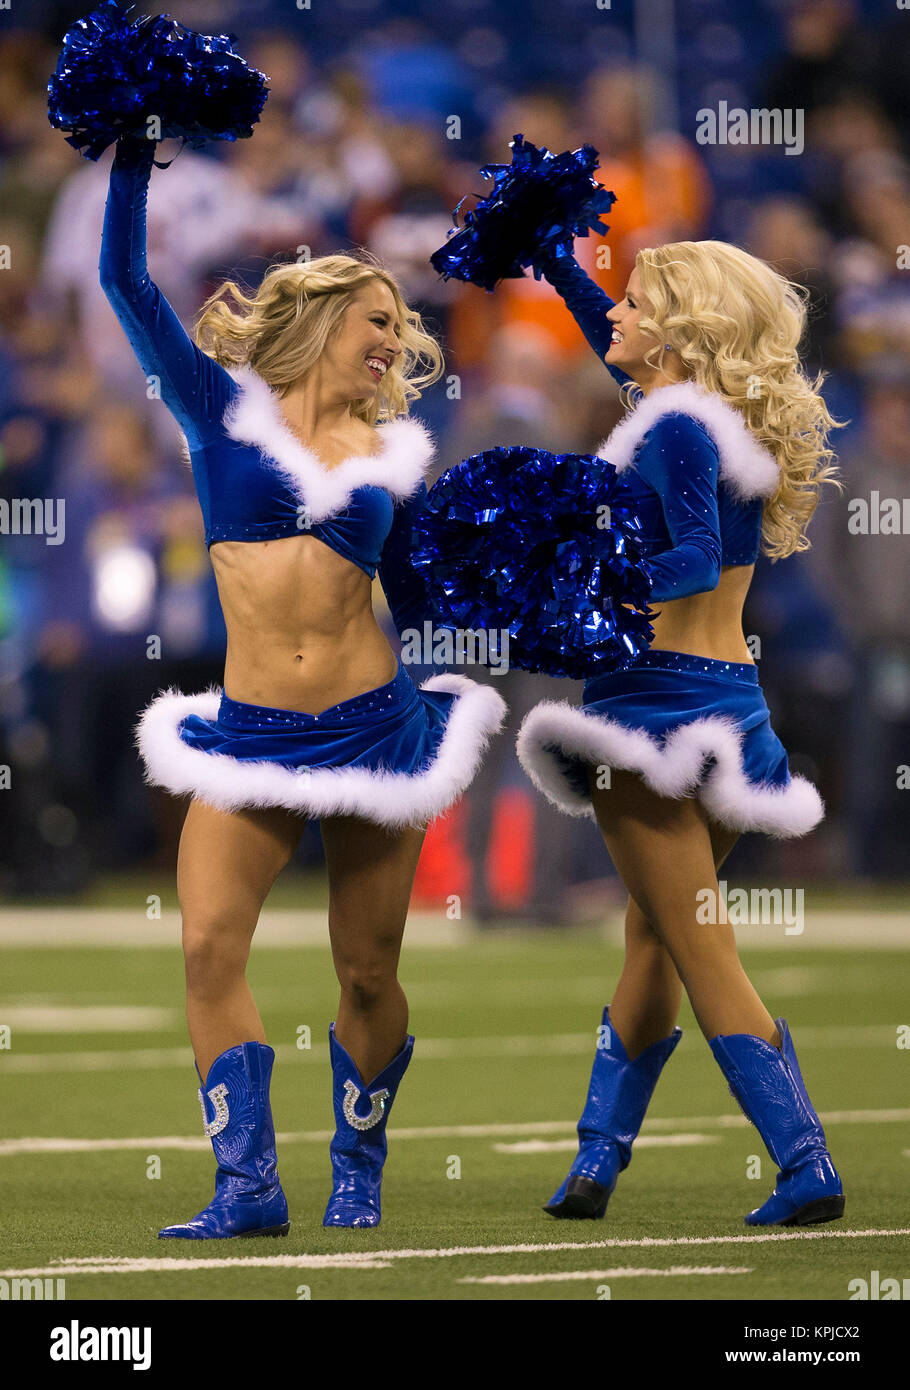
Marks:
<point>736,325</point>
<point>285,325</point>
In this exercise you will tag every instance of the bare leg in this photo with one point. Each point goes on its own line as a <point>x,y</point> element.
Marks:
<point>664,853</point>
<point>371,873</point>
<point>225,868</point>
<point>645,1004</point>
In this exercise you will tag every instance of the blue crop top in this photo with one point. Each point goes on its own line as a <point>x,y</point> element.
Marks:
<point>698,474</point>
<point>254,479</point>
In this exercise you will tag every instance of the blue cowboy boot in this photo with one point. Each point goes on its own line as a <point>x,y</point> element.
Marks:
<point>248,1198</point>
<point>359,1147</point>
<point>618,1096</point>
<point>767,1083</point>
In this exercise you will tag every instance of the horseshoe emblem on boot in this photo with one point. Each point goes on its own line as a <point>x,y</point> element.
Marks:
<point>377,1107</point>
<point>218,1096</point>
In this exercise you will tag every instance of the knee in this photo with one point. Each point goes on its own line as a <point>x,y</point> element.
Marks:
<point>215,949</point>
<point>641,934</point>
<point>368,979</point>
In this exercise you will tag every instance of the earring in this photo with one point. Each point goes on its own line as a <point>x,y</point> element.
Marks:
<point>668,347</point>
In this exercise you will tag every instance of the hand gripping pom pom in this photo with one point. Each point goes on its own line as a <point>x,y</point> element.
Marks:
<point>521,539</point>
<point>114,73</point>
<point>539,204</point>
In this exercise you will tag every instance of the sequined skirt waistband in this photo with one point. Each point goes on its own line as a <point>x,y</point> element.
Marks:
<point>745,671</point>
<point>396,693</point>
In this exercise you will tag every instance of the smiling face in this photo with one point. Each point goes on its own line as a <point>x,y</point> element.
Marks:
<point>366,343</point>
<point>629,345</point>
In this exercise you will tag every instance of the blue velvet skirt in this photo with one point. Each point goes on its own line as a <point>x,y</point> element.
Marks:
<point>690,726</point>
<point>397,755</point>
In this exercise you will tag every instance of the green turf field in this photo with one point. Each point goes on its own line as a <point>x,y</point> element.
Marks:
<point>481,1133</point>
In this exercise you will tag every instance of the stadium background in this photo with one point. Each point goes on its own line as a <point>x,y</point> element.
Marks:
<point>353,149</point>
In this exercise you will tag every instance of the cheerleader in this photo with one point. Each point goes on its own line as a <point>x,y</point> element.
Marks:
<point>724,454</point>
<point>308,472</point>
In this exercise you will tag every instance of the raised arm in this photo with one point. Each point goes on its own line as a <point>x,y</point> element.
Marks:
<point>588,304</point>
<point>403,585</point>
<point>679,461</point>
<point>193,386</point>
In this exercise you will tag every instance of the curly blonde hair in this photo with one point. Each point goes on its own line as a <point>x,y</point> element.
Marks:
<point>736,325</point>
<point>285,325</point>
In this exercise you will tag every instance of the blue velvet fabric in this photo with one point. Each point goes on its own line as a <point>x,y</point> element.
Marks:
<point>241,496</point>
<point>740,527</point>
<point>394,728</point>
<point>674,473</point>
<point>661,690</point>
<point>674,486</point>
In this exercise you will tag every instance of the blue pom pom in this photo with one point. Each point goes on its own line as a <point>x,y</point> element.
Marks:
<point>114,73</point>
<point>545,545</point>
<point>539,204</point>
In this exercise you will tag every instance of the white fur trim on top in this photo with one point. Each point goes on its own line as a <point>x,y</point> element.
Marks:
<point>393,799</point>
<point>746,466</point>
<point>673,769</point>
<point>254,416</point>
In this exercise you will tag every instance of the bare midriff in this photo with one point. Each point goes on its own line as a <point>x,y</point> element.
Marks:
<point>708,624</point>
<point>300,625</point>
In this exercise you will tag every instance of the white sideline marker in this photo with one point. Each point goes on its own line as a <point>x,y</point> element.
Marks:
<point>122,1264</point>
<point>624,1272</point>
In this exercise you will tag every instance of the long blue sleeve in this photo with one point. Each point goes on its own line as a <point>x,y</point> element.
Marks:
<point>588,304</point>
<point>401,583</point>
<point>193,386</point>
<point>679,461</point>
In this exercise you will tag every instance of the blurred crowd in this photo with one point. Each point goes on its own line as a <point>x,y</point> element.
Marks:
<point>375,127</point>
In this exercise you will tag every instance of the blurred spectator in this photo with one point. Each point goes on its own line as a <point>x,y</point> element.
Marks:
<point>199,212</point>
<point>873,306</point>
<point>827,53</point>
<point>864,557</point>
<point>661,185</point>
<point>412,76</point>
<point>785,233</point>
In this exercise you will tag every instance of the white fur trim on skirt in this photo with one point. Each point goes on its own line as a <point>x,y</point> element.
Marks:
<point>702,758</point>
<point>393,799</point>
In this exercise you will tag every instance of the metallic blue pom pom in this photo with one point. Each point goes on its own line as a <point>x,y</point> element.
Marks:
<point>544,545</point>
<point>113,73</point>
<point>539,204</point>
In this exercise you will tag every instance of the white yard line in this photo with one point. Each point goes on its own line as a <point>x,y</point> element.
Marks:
<point>644,1141</point>
<point>622,1272</point>
<point>89,1018</point>
<point>120,927</point>
<point>687,1124</point>
<point>871,1035</point>
<point>171,1264</point>
<point>127,1059</point>
<point>129,927</point>
<point>117,1264</point>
